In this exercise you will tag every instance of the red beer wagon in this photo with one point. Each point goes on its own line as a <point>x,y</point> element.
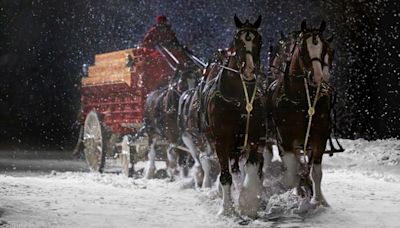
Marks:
<point>112,100</point>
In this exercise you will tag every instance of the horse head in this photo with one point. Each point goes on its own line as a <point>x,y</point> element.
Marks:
<point>184,78</point>
<point>189,77</point>
<point>282,53</point>
<point>247,45</point>
<point>314,52</point>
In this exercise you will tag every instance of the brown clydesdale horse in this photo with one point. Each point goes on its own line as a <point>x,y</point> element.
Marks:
<point>302,91</point>
<point>235,119</point>
<point>191,125</point>
<point>160,120</point>
<point>281,54</point>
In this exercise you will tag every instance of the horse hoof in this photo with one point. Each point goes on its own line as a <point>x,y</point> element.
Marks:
<point>171,179</point>
<point>187,183</point>
<point>214,194</point>
<point>227,212</point>
<point>248,204</point>
<point>322,202</point>
<point>304,207</point>
<point>206,184</point>
<point>150,173</point>
<point>275,212</point>
<point>249,212</point>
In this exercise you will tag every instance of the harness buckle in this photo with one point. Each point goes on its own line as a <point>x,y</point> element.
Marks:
<point>311,111</point>
<point>249,107</point>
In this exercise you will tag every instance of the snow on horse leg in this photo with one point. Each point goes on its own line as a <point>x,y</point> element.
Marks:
<point>198,172</point>
<point>225,179</point>
<point>210,165</point>
<point>151,165</point>
<point>316,175</point>
<point>206,165</point>
<point>250,195</point>
<point>290,177</point>
<point>172,164</point>
<point>267,154</point>
<point>205,161</point>
<point>227,208</point>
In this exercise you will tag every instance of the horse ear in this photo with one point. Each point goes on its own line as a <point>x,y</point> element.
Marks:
<point>238,23</point>
<point>322,26</point>
<point>303,26</point>
<point>271,48</point>
<point>282,35</point>
<point>330,39</point>
<point>257,23</point>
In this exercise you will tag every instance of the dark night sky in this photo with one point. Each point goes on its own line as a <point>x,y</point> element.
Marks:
<point>44,43</point>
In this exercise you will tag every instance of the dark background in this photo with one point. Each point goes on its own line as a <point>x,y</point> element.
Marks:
<point>44,43</point>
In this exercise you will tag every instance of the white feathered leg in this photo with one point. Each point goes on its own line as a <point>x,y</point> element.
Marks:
<point>210,166</point>
<point>197,167</point>
<point>291,176</point>
<point>267,154</point>
<point>316,175</point>
<point>206,165</point>
<point>250,195</point>
<point>227,208</point>
<point>172,164</point>
<point>151,165</point>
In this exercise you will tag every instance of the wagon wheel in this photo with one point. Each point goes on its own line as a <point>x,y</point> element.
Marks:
<point>93,135</point>
<point>127,157</point>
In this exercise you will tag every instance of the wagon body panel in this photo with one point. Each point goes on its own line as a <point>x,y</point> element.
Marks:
<point>114,91</point>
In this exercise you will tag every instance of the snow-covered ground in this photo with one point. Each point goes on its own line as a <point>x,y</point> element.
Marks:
<point>362,186</point>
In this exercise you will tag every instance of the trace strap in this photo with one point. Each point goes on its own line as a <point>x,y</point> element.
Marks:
<point>311,111</point>
<point>249,108</point>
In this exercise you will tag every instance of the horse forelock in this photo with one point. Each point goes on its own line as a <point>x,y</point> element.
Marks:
<point>247,45</point>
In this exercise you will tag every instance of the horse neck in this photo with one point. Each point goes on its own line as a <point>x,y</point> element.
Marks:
<point>171,98</point>
<point>230,83</point>
<point>233,63</point>
<point>276,67</point>
<point>212,72</point>
<point>291,81</point>
<point>295,64</point>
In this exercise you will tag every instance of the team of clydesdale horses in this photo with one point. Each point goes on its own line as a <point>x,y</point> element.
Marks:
<point>232,112</point>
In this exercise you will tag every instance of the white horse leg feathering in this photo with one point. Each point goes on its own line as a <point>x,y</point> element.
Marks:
<point>198,172</point>
<point>151,165</point>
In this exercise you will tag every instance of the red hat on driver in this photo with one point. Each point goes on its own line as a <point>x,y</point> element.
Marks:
<point>161,18</point>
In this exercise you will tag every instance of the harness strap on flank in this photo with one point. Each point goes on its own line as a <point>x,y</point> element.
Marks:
<point>311,110</point>
<point>228,68</point>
